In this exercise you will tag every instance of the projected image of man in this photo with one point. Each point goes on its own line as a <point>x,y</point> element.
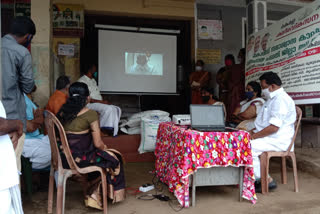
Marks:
<point>142,67</point>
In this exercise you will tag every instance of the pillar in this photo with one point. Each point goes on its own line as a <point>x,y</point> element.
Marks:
<point>256,15</point>
<point>41,50</point>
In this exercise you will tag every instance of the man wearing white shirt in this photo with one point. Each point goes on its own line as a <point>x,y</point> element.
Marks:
<point>109,114</point>
<point>10,197</point>
<point>274,125</point>
<point>88,78</point>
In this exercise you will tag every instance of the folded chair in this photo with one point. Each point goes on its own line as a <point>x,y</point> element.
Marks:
<point>265,157</point>
<point>54,128</point>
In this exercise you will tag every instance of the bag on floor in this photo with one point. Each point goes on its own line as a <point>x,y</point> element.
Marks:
<point>149,130</point>
<point>135,122</point>
<point>149,113</point>
<point>135,119</point>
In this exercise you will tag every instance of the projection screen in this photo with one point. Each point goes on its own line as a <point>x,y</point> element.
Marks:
<point>133,62</point>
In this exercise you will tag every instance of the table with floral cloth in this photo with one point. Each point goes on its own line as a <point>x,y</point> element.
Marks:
<point>181,151</point>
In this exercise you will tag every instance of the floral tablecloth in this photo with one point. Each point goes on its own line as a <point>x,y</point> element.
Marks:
<point>180,152</point>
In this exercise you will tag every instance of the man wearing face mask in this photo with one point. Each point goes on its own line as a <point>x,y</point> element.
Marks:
<point>198,79</point>
<point>274,125</point>
<point>88,78</point>
<point>109,114</point>
<point>17,74</point>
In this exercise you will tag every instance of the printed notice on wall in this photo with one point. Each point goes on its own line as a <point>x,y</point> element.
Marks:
<point>210,29</point>
<point>68,20</point>
<point>65,50</point>
<point>209,56</point>
<point>291,48</point>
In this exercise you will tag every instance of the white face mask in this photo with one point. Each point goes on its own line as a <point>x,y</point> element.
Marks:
<point>198,68</point>
<point>265,93</point>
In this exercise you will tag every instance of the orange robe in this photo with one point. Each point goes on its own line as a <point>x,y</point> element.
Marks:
<point>56,101</point>
<point>202,77</point>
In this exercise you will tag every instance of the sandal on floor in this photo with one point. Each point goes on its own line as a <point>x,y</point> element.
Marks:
<point>90,202</point>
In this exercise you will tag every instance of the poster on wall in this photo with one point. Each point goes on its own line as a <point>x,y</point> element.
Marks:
<point>210,29</point>
<point>66,57</point>
<point>66,50</point>
<point>68,20</point>
<point>291,48</point>
<point>209,56</point>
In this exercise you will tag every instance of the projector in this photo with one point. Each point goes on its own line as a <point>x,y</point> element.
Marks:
<point>181,119</point>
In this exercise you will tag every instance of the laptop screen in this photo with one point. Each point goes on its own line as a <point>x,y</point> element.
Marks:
<point>207,116</point>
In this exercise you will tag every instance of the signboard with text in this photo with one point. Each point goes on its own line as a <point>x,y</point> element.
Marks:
<point>68,20</point>
<point>291,48</point>
<point>209,56</point>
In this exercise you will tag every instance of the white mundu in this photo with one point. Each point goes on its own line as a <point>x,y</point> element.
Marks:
<point>279,111</point>
<point>109,114</point>
<point>38,151</point>
<point>10,198</point>
<point>8,167</point>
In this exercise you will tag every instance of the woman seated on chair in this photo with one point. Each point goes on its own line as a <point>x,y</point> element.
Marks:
<point>207,96</point>
<point>248,109</point>
<point>83,133</point>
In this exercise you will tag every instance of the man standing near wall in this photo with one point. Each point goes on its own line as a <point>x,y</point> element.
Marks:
<point>17,74</point>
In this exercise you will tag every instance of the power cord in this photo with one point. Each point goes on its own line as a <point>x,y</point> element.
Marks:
<point>176,207</point>
<point>158,187</point>
<point>146,197</point>
<point>132,191</point>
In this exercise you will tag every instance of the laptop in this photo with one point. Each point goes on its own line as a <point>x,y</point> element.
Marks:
<point>208,118</point>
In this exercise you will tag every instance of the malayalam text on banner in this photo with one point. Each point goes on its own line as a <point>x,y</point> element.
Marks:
<point>291,48</point>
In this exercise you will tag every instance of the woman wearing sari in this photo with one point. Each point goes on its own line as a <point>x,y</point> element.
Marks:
<point>83,133</point>
<point>244,115</point>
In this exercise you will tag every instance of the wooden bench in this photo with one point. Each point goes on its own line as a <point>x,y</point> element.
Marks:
<point>128,146</point>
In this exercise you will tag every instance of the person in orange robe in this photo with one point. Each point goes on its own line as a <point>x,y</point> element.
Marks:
<point>59,97</point>
<point>198,79</point>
